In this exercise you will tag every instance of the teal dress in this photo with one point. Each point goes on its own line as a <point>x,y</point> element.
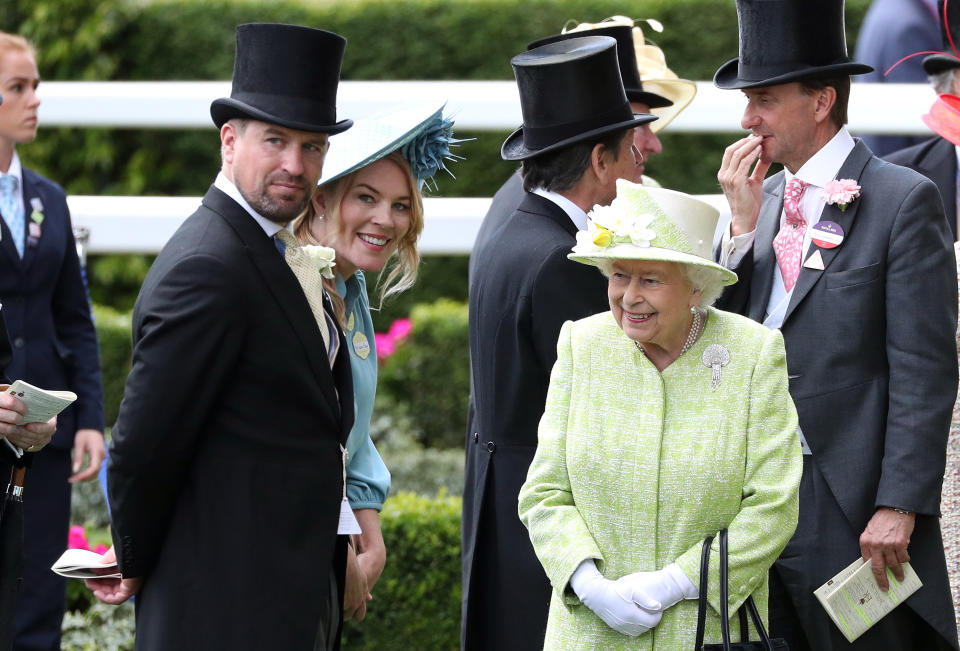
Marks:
<point>368,480</point>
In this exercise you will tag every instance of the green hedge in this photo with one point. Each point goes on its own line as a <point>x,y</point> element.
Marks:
<point>416,603</point>
<point>427,379</point>
<point>113,331</point>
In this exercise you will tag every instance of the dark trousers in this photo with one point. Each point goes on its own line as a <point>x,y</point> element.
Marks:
<point>46,521</point>
<point>823,532</point>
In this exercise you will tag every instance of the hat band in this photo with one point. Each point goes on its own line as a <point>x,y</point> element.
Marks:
<point>535,138</point>
<point>751,72</point>
<point>292,107</point>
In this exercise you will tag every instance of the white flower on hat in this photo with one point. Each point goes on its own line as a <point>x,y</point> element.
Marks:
<point>323,257</point>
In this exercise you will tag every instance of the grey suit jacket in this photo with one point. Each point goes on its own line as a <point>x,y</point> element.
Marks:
<point>871,353</point>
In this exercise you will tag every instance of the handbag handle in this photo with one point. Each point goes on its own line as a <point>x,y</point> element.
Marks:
<point>748,607</point>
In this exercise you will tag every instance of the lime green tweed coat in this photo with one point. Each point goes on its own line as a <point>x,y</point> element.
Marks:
<point>635,467</point>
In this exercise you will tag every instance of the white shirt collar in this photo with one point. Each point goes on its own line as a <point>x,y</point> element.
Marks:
<point>226,186</point>
<point>824,166</point>
<point>16,169</point>
<point>574,212</point>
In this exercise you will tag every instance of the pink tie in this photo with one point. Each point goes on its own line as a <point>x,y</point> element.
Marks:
<point>788,244</point>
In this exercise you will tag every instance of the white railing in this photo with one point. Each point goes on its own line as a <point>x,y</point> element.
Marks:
<point>143,224</point>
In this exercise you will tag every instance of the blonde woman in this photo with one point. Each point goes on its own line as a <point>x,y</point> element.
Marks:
<point>369,209</point>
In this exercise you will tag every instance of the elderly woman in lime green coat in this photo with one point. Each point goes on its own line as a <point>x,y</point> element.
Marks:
<point>665,422</point>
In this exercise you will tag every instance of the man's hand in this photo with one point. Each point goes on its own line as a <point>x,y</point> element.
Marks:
<point>355,593</point>
<point>743,189</point>
<point>884,543</point>
<point>87,443</point>
<point>30,437</point>
<point>113,591</point>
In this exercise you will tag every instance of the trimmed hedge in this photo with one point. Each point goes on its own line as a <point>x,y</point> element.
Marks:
<point>427,379</point>
<point>416,602</point>
<point>116,355</point>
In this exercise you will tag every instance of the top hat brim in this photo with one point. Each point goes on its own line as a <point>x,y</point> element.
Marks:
<point>514,149</point>
<point>227,108</point>
<point>937,63</point>
<point>652,100</point>
<point>727,76</point>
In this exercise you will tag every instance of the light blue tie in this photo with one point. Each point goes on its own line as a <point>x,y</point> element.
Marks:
<point>12,209</point>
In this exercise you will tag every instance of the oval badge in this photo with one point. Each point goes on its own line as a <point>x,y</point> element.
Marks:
<point>361,345</point>
<point>827,235</point>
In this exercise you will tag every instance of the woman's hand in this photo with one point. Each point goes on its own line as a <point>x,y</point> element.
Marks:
<point>613,602</point>
<point>30,437</point>
<point>371,551</point>
<point>668,586</point>
<point>87,443</point>
<point>355,591</point>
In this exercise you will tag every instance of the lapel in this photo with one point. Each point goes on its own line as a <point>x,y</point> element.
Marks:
<point>7,249</point>
<point>764,260</point>
<point>852,168</point>
<point>29,194</point>
<point>284,286</point>
<point>534,204</point>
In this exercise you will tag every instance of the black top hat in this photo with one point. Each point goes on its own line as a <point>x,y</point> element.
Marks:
<point>569,91</point>
<point>286,75</point>
<point>948,59</point>
<point>782,41</point>
<point>626,57</point>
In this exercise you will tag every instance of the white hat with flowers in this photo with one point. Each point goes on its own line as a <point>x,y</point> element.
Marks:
<point>645,223</point>
<point>421,132</point>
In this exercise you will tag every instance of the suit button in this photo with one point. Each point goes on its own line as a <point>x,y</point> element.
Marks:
<point>476,437</point>
<point>491,446</point>
<point>18,342</point>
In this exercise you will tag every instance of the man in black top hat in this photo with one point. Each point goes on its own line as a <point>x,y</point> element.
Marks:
<point>862,285</point>
<point>575,142</point>
<point>511,193</point>
<point>226,473</point>
<point>936,158</point>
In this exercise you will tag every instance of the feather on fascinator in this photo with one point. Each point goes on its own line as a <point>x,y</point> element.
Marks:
<point>423,135</point>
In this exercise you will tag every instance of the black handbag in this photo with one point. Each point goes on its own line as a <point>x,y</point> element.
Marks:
<point>765,643</point>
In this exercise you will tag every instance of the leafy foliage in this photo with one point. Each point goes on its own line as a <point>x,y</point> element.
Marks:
<point>428,377</point>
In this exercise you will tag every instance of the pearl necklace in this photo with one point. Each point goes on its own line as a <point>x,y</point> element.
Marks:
<point>695,329</point>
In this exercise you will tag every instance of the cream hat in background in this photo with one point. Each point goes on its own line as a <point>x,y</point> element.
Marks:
<point>652,66</point>
<point>646,223</point>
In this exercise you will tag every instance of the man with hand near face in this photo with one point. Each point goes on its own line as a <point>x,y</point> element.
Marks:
<point>851,258</point>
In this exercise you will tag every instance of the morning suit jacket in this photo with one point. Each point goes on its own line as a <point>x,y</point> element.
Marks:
<point>871,357</point>
<point>522,289</point>
<point>936,159</point>
<point>47,311</point>
<point>225,473</point>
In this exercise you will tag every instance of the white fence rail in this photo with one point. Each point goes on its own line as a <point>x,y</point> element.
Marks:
<point>143,224</point>
<point>477,105</point>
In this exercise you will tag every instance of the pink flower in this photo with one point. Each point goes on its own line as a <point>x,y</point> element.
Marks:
<point>385,345</point>
<point>100,549</point>
<point>400,329</point>
<point>841,192</point>
<point>77,539</point>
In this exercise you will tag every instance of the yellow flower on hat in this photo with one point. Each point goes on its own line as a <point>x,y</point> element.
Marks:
<point>601,236</point>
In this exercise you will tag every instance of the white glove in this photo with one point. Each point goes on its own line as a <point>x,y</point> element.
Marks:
<point>611,601</point>
<point>668,586</point>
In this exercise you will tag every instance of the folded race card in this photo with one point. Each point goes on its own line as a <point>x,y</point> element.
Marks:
<point>42,405</point>
<point>84,564</point>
